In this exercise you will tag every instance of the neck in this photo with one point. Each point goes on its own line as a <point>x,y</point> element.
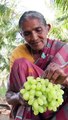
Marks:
<point>32,50</point>
<point>36,51</point>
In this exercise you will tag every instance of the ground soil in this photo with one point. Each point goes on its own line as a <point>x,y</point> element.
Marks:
<point>4,109</point>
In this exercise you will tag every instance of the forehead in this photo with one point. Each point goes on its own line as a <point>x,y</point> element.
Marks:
<point>31,24</point>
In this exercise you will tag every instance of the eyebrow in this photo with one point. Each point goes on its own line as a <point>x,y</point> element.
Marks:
<point>32,29</point>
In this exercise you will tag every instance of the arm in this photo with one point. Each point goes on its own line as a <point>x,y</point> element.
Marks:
<point>13,98</point>
<point>13,89</point>
<point>54,71</point>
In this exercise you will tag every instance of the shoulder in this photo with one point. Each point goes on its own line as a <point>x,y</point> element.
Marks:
<point>19,52</point>
<point>57,45</point>
<point>57,42</point>
<point>20,48</point>
<point>60,44</point>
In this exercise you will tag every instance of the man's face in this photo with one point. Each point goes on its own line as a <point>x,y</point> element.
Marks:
<point>35,33</point>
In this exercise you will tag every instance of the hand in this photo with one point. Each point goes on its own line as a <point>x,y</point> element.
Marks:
<point>22,101</point>
<point>55,74</point>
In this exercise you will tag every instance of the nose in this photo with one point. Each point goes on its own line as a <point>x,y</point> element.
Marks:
<point>34,35</point>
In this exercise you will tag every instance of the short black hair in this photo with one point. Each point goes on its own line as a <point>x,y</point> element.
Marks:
<point>31,14</point>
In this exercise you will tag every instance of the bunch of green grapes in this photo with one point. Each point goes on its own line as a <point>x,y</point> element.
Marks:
<point>42,95</point>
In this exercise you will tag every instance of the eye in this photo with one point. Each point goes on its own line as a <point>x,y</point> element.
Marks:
<point>39,30</point>
<point>26,33</point>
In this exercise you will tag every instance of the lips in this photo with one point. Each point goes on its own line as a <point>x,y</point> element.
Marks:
<point>35,43</point>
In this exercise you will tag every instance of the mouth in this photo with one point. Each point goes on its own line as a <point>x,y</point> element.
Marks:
<point>35,43</point>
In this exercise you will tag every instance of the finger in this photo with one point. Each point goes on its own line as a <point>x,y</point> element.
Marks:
<point>55,76</point>
<point>52,81</point>
<point>65,82</point>
<point>48,73</point>
<point>44,74</point>
<point>60,80</point>
<point>59,75</point>
<point>52,74</point>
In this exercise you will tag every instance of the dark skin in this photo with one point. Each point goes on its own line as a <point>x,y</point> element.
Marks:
<point>56,75</point>
<point>35,34</point>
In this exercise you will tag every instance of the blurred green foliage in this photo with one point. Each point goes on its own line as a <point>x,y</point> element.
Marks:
<point>2,91</point>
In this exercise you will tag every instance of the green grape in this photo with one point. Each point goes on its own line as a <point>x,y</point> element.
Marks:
<point>57,87</point>
<point>30,102</point>
<point>41,109</point>
<point>44,99</point>
<point>43,88</point>
<point>22,91</point>
<point>53,103</point>
<point>54,109</point>
<point>45,108</point>
<point>61,92</point>
<point>38,86</point>
<point>33,86</point>
<point>57,104</point>
<point>35,112</point>
<point>50,85</point>
<point>35,105</point>
<point>40,101</point>
<point>34,82</point>
<point>43,81</point>
<point>46,82</point>
<point>38,79</point>
<point>26,96</point>
<point>27,86</point>
<point>30,78</point>
<point>59,100</point>
<point>50,107</point>
<point>47,90</point>
<point>32,92</point>
<point>52,94</point>
<point>31,96</point>
<point>38,93</point>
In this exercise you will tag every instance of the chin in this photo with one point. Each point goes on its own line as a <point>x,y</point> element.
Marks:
<point>38,48</point>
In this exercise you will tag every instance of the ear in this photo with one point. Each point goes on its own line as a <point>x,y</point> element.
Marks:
<point>48,27</point>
